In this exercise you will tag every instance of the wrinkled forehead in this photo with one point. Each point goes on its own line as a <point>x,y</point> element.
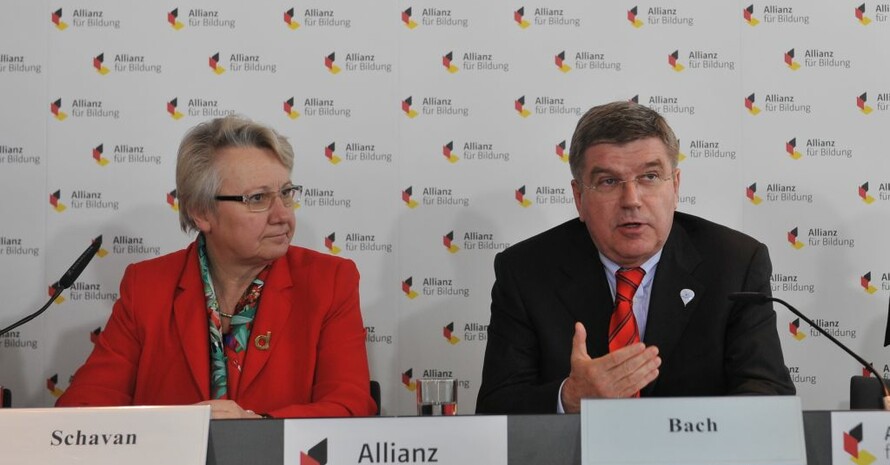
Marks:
<point>630,158</point>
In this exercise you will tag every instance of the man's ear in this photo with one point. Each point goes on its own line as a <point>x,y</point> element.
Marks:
<point>577,191</point>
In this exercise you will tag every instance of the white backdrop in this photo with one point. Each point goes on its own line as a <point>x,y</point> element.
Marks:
<point>427,123</point>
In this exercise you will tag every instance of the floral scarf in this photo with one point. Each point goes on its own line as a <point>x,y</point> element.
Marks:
<point>227,351</point>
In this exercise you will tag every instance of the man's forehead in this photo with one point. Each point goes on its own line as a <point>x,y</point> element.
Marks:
<point>621,157</point>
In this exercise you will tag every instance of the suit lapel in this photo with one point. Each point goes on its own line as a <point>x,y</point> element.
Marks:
<point>668,315</point>
<point>189,310</point>
<point>275,308</point>
<point>585,293</point>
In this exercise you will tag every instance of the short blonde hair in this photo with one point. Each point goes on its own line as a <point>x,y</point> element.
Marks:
<point>197,178</point>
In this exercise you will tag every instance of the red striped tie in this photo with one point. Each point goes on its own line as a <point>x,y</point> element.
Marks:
<point>623,326</point>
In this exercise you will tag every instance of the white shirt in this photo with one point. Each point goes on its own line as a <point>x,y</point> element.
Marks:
<point>640,304</point>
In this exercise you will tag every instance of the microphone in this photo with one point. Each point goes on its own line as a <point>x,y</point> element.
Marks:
<point>63,283</point>
<point>80,264</point>
<point>759,298</point>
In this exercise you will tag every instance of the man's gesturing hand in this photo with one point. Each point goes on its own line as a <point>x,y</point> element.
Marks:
<point>618,374</point>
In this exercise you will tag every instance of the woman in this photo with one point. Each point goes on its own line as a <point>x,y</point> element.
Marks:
<point>240,320</point>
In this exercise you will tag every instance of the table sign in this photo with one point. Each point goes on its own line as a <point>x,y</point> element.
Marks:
<point>444,440</point>
<point>860,437</point>
<point>106,435</point>
<point>750,430</point>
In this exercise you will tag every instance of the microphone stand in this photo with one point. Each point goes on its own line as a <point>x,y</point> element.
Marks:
<point>57,290</point>
<point>63,283</point>
<point>761,298</point>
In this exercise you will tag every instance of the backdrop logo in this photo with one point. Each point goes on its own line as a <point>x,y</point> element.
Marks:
<point>559,60</point>
<point>172,200</point>
<point>664,104</point>
<point>329,244</point>
<point>316,455</point>
<point>407,380</point>
<point>406,197</point>
<point>94,334</point>
<point>406,107</point>
<point>865,282</point>
<point>520,197</point>
<point>749,104</point>
<point>519,105</point>
<point>853,437</point>
<point>52,386</point>
<point>446,62</point>
<point>290,20</point>
<point>751,193</point>
<point>330,155</point>
<point>860,15</point>
<point>673,60</point>
<point>52,290</point>
<point>781,282</point>
<point>748,14</point>
<point>447,152</point>
<point>864,195</point>
<point>791,149</point>
<point>57,20</point>
<point>329,64</point>
<point>708,149</point>
<point>55,201</point>
<point>561,152</point>
<point>792,239</point>
<point>97,155</point>
<point>213,61</point>
<point>794,328</point>
<point>632,17</point>
<point>289,109</point>
<point>173,19</point>
<point>133,245</point>
<point>406,19</point>
<point>406,288</point>
<point>448,242</point>
<point>862,103</point>
<point>518,16</point>
<point>171,109</point>
<point>448,332</point>
<point>99,64</point>
<point>789,60</point>
<point>56,109</point>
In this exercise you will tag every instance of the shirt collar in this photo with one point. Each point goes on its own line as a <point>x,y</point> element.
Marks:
<point>647,266</point>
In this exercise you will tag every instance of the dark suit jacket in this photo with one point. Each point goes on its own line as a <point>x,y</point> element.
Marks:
<point>709,347</point>
<point>155,348</point>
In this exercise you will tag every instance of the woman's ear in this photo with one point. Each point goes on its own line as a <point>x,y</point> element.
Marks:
<point>202,221</point>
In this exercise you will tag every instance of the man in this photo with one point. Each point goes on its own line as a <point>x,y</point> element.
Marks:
<point>557,334</point>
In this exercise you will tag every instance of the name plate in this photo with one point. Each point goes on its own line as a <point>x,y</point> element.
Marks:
<point>750,430</point>
<point>457,440</point>
<point>860,437</point>
<point>106,435</point>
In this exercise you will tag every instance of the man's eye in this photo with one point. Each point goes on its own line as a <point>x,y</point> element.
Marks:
<point>607,182</point>
<point>257,198</point>
<point>650,177</point>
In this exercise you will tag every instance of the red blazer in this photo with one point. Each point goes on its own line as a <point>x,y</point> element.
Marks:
<point>155,348</point>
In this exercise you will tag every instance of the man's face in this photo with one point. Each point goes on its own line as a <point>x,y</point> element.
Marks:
<point>628,223</point>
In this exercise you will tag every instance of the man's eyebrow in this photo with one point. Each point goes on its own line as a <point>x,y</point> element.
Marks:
<point>600,170</point>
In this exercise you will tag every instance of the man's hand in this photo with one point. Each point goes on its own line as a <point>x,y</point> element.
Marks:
<point>619,374</point>
<point>222,409</point>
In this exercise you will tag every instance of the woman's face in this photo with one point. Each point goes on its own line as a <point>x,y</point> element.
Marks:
<point>236,235</point>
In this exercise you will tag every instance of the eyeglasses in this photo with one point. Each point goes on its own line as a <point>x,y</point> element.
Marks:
<point>262,201</point>
<point>646,182</point>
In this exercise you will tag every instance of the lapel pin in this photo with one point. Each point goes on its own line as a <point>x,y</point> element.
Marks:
<point>263,340</point>
<point>686,295</point>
